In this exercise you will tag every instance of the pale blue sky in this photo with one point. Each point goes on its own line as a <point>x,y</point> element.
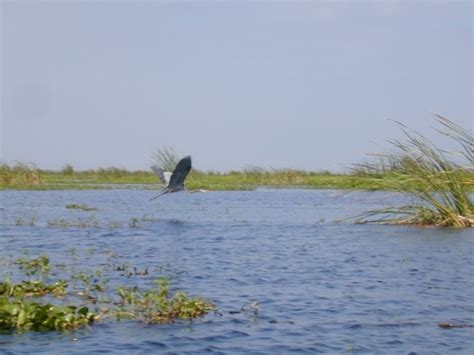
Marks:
<point>306,85</point>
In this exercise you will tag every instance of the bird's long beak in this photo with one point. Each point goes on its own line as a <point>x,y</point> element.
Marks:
<point>164,192</point>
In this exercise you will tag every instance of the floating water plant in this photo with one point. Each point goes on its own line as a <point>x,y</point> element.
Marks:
<point>83,207</point>
<point>23,315</point>
<point>32,288</point>
<point>21,222</point>
<point>63,223</point>
<point>45,302</point>
<point>438,181</point>
<point>157,306</point>
<point>36,266</point>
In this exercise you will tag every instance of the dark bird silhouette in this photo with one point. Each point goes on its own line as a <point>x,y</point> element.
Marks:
<point>178,176</point>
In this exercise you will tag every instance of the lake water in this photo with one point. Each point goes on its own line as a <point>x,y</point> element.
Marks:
<point>284,276</point>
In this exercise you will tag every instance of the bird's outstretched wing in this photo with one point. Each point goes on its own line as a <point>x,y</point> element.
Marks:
<point>162,174</point>
<point>179,174</point>
<point>159,172</point>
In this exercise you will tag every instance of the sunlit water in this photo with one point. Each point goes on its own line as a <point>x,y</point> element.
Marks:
<point>320,286</point>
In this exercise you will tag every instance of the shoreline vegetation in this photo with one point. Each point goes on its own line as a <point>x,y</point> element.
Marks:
<point>440,182</point>
<point>22,176</point>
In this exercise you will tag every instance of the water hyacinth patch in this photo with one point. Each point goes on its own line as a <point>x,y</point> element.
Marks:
<point>23,315</point>
<point>47,303</point>
<point>157,306</point>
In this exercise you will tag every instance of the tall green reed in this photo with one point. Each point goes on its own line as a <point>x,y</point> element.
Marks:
<point>19,174</point>
<point>438,180</point>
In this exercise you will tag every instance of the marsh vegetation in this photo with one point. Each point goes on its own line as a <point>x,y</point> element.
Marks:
<point>247,179</point>
<point>440,182</point>
<point>60,297</point>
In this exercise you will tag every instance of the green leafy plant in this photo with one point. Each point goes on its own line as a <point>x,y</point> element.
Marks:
<point>158,306</point>
<point>22,315</point>
<point>32,288</point>
<point>47,303</point>
<point>36,266</point>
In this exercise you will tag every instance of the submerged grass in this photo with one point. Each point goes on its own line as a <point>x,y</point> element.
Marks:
<point>438,181</point>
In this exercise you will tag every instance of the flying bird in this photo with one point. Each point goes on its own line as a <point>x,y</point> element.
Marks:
<point>176,181</point>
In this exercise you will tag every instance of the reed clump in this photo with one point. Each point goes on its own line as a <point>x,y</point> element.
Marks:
<point>438,181</point>
<point>165,158</point>
<point>19,175</point>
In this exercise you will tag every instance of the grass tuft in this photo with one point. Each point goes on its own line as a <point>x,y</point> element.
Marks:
<point>438,181</point>
<point>19,175</point>
<point>165,158</point>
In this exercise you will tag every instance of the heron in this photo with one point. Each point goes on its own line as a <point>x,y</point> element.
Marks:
<point>176,179</point>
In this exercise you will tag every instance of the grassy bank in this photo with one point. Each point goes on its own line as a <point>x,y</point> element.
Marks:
<point>24,176</point>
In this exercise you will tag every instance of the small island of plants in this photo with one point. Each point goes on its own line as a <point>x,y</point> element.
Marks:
<point>44,301</point>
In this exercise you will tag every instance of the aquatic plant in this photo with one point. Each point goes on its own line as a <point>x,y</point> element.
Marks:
<point>23,315</point>
<point>31,305</point>
<point>30,288</point>
<point>34,266</point>
<point>156,305</point>
<point>438,181</point>
<point>63,223</point>
<point>134,221</point>
<point>21,222</point>
<point>83,207</point>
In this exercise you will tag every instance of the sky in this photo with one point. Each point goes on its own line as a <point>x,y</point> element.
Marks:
<point>308,85</point>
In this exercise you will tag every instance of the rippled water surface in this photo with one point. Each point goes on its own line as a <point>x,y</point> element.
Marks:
<point>284,276</point>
